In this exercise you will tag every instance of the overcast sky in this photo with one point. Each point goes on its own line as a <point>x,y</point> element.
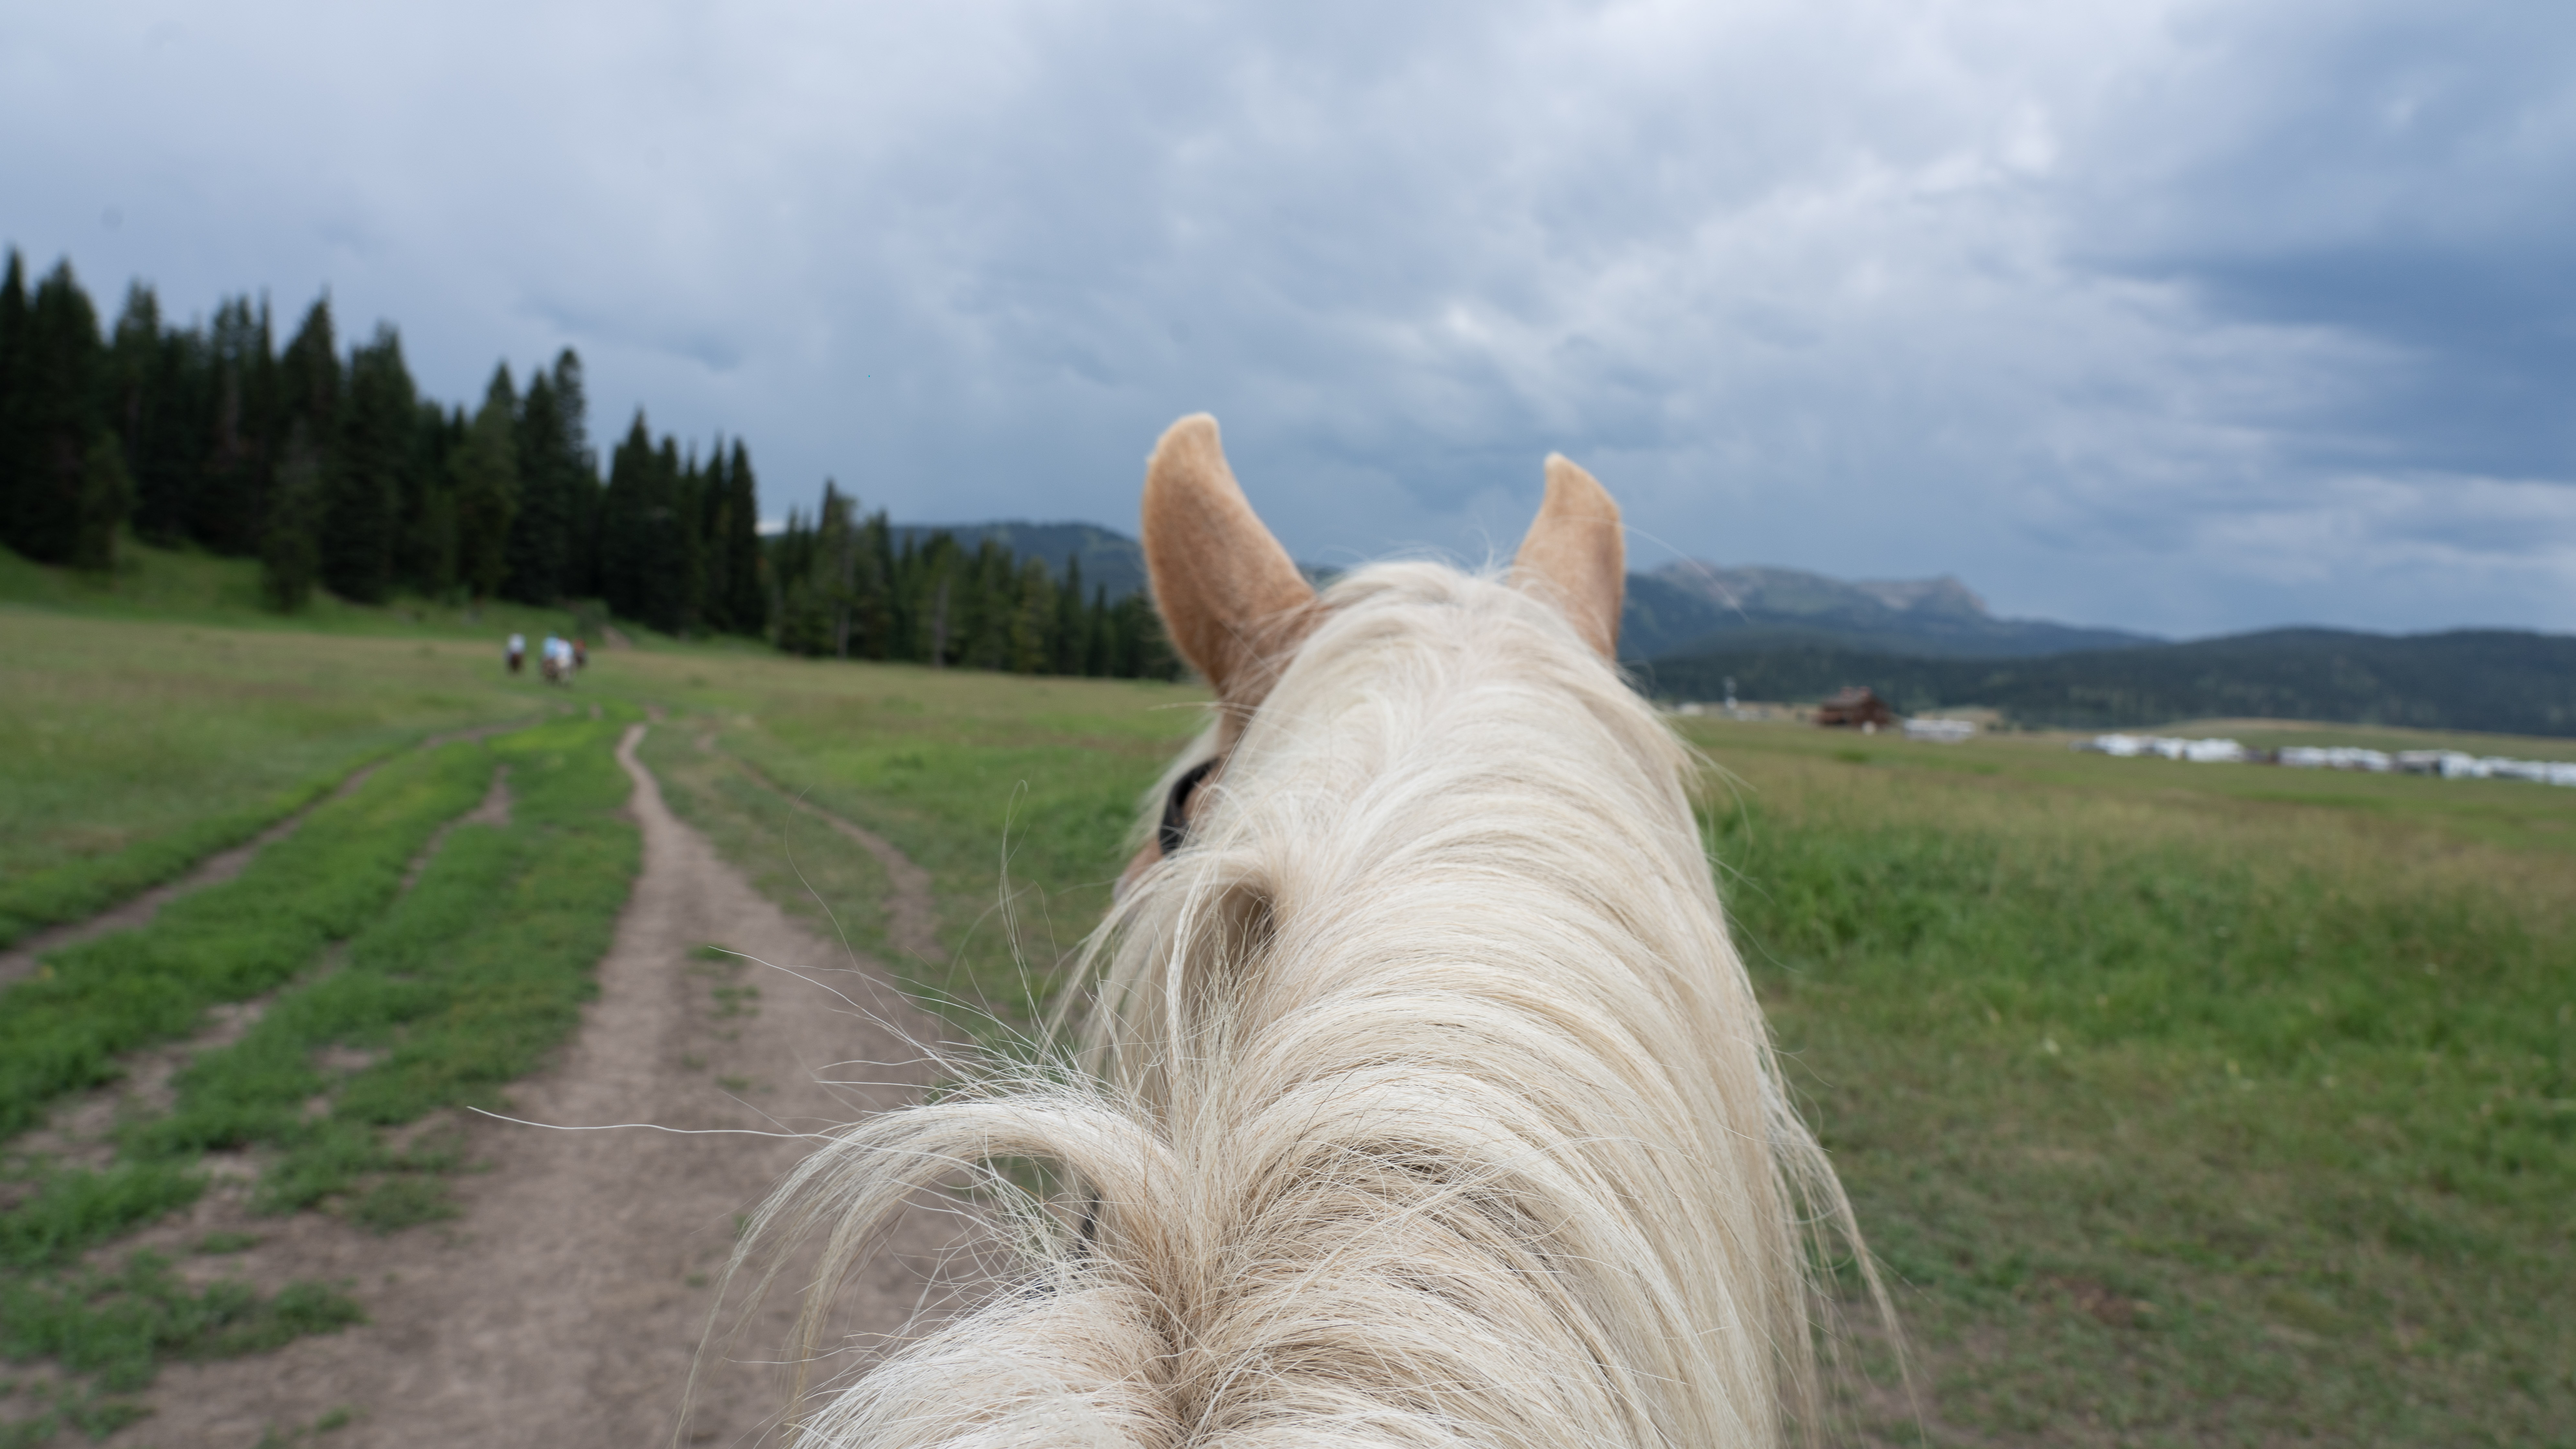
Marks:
<point>2184,317</point>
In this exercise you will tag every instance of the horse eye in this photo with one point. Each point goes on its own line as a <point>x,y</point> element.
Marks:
<point>1174,832</point>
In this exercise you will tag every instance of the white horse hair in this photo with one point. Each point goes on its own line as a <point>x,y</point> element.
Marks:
<point>1421,1098</point>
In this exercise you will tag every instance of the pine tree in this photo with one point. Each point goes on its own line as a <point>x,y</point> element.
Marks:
<point>544,534</point>
<point>484,473</point>
<point>936,567</point>
<point>1095,635</point>
<point>289,557</point>
<point>139,392</point>
<point>368,477</point>
<point>309,380</point>
<point>168,459</point>
<point>308,396</point>
<point>428,561</point>
<point>799,622</point>
<point>713,518</point>
<point>745,597</point>
<point>1034,636</point>
<point>992,606</point>
<point>244,431</point>
<point>106,500</point>
<point>13,346</point>
<point>836,565</point>
<point>55,399</point>
<point>1070,643</point>
<point>623,559</point>
<point>577,479</point>
<point>671,579</point>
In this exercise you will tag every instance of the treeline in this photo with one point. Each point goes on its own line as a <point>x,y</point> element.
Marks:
<point>335,472</point>
<point>848,589</point>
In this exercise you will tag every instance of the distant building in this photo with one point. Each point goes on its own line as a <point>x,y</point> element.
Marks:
<point>2336,757</point>
<point>1855,708</point>
<point>1941,731</point>
<point>2198,752</point>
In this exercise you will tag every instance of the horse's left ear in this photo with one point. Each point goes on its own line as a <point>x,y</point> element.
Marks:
<point>1577,556</point>
<point>1231,598</point>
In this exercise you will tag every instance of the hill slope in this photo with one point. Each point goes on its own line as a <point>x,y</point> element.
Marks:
<point>1111,560</point>
<point>2490,680</point>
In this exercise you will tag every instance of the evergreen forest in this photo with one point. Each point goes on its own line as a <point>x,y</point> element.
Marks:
<point>331,469</point>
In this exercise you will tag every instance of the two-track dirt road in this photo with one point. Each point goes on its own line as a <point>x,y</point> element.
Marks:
<point>564,1308</point>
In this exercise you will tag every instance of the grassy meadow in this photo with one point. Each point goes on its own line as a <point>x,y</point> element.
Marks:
<point>2186,1104</point>
<point>134,750</point>
<point>2183,1104</point>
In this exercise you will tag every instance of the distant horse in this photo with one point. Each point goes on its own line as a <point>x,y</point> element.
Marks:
<point>1421,1097</point>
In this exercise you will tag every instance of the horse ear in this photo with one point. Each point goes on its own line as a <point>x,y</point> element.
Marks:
<point>1231,598</point>
<point>1576,554</point>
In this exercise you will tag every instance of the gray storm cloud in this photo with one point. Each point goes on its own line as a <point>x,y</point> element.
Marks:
<point>2175,316</point>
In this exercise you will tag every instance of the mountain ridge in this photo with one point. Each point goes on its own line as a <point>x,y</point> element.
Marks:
<point>1690,605</point>
<point>1681,607</point>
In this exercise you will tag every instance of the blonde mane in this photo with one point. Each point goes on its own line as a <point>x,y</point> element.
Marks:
<point>1421,1099</point>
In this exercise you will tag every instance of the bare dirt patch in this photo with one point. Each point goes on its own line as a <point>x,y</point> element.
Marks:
<point>564,1307</point>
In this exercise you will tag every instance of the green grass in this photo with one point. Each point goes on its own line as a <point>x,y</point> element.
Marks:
<point>2517,815</point>
<point>62,1029</point>
<point>136,751</point>
<point>2182,1115</point>
<point>113,1329</point>
<point>157,585</point>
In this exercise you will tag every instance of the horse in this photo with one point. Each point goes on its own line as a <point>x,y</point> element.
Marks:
<point>1415,1092</point>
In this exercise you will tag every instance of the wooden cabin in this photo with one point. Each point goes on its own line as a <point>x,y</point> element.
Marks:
<point>1855,707</point>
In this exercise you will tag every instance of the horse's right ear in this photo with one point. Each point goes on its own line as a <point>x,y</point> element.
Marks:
<point>1576,555</point>
<point>1231,598</point>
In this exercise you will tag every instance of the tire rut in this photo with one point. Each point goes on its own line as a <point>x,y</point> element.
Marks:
<point>81,1130</point>
<point>22,958</point>
<point>912,914</point>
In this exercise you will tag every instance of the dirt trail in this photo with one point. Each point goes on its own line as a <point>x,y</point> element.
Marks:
<point>564,1308</point>
<point>20,959</point>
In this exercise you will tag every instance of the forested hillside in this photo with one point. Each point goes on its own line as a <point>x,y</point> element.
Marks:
<point>859,587</point>
<point>2493,680</point>
<point>1109,559</point>
<point>334,472</point>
